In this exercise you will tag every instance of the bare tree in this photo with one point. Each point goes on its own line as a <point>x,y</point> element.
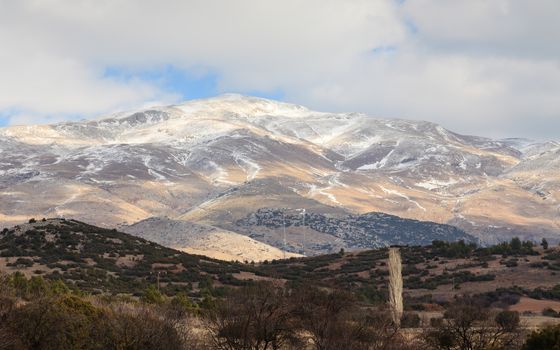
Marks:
<point>137,326</point>
<point>395,285</point>
<point>335,320</point>
<point>322,316</point>
<point>253,318</point>
<point>468,326</point>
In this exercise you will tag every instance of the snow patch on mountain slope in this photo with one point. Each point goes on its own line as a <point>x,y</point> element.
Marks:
<point>402,195</point>
<point>433,184</point>
<point>250,167</point>
<point>243,105</point>
<point>315,190</point>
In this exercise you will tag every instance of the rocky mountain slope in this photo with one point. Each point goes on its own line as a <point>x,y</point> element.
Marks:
<point>204,240</point>
<point>346,232</point>
<point>215,161</point>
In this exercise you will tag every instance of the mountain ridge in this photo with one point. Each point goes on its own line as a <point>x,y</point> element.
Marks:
<point>214,161</point>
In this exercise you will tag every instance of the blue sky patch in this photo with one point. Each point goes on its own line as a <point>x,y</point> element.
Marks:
<point>6,114</point>
<point>185,83</point>
<point>171,79</point>
<point>411,26</point>
<point>384,49</point>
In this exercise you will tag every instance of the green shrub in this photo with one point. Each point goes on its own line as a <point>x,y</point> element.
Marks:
<point>152,295</point>
<point>549,312</point>
<point>59,323</point>
<point>547,338</point>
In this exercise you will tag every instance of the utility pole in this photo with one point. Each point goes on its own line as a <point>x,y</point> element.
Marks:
<point>303,243</point>
<point>284,227</point>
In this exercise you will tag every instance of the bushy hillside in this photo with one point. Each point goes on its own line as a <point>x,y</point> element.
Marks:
<point>100,260</point>
<point>50,269</point>
<point>103,260</point>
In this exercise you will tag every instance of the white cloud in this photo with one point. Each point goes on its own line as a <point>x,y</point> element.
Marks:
<point>60,85</point>
<point>487,68</point>
<point>502,27</point>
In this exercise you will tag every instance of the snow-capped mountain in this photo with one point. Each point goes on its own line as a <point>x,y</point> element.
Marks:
<point>216,161</point>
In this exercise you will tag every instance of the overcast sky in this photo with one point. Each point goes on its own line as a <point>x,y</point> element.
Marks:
<point>489,67</point>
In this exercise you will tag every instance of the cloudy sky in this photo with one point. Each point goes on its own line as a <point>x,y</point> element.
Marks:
<point>478,67</point>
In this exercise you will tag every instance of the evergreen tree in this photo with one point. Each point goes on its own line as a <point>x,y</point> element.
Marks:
<point>515,244</point>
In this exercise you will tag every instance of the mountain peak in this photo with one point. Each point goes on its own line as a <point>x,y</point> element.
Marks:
<point>245,105</point>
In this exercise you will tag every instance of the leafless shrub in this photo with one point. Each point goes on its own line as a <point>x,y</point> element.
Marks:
<point>137,326</point>
<point>468,326</point>
<point>334,320</point>
<point>254,318</point>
